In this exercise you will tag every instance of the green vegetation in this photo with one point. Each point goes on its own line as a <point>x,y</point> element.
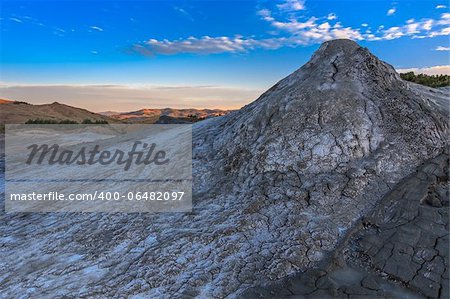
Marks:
<point>432,81</point>
<point>66,121</point>
<point>192,118</point>
<point>50,121</point>
<point>97,122</point>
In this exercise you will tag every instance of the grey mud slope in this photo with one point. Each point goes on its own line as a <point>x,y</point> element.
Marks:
<point>277,186</point>
<point>398,250</point>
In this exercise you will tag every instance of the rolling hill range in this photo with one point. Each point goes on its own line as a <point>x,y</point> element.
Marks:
<point>152,115</point>
<point>16,112</point>
<point>12,112</point>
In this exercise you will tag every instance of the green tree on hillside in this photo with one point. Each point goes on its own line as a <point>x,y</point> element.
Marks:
<point>432,81</point>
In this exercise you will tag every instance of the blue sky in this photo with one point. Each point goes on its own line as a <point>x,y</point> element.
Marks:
<point>203,47</point>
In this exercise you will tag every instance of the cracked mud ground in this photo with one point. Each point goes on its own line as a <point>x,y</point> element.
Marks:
<point>401,249</point>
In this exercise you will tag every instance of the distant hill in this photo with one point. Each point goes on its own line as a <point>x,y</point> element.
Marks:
<point>152,115</point>
<point>13,112</point>
<point>3,101</point>
<point>164,119</point>
<point>109,113</point>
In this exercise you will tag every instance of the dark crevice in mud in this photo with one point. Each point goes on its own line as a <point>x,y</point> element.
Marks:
<point>335,69</point>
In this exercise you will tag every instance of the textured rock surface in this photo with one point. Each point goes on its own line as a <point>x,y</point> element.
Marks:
<point>278,184</point>
<point>398,250</point>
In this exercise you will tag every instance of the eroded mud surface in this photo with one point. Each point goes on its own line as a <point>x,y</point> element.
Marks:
<point>400,250</point>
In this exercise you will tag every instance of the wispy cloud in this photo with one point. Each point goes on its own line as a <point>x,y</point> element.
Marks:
<point>96,28</point>
<point>433,70</point>
<point>440,6</point>
<point>441,48</point>
<point>35,22</point>
<point>17,20</point>
<point>424,28</point>
<point>292,5</point>
<point>331,16</point>
<point>391,11</point>
<point>183,12</point>
<point>311,31</point>
<point>265,14</point>
<point>205,45</point>
<point>291,30</point>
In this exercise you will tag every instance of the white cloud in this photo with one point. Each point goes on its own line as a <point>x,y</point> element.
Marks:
<point>393,33</point>
<point>295,31</point>
<point>292,5</point>
<point>424,28</point>
<point>266,15</point>
<point>96,28</point>
<point>433,70</point>
<point>440,6</point>
<point>441,48</point>
<point>391,11</point>
<point>310,31</point>
<point>427,25</point>
<point>331,16</point>
<point>206,45</point>
<point>347,32</point>
<point>445,19</point>
<point>16,20</point>
<point>183,12</point>
<point>364,25</point>
<point>294,26</point>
